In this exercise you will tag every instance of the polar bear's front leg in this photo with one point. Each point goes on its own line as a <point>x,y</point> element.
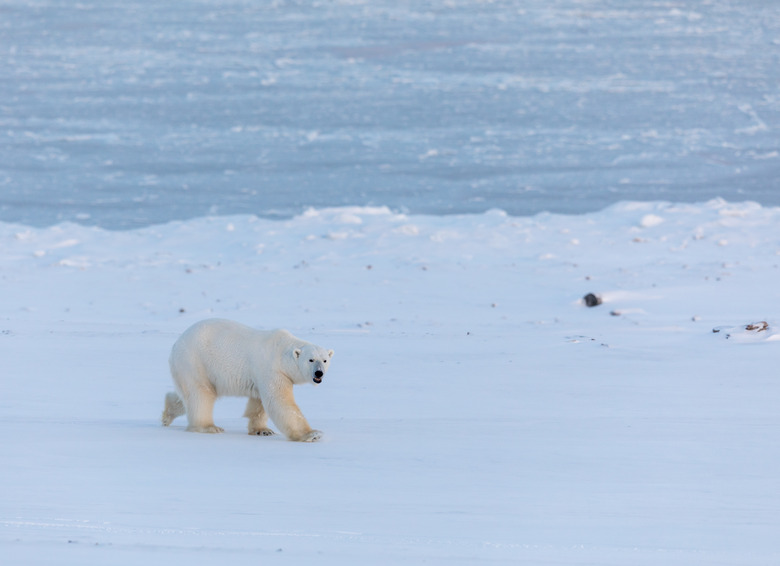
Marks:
<point>258,418</point>
<point>288,418</point>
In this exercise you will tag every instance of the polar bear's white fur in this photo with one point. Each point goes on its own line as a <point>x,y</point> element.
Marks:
<point>216,358</point>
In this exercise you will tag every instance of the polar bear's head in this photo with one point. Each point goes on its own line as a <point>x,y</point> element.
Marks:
<point>312,362</point>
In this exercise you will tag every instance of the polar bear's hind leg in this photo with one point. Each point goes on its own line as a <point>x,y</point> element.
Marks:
<point>200,411</point>
<point>210,429</point>
<point>173,408</point>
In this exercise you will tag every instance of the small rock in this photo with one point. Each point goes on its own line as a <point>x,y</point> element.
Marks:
<point>591,300</point>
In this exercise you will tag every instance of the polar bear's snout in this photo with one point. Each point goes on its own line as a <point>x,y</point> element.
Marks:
<point>318,363</point>
<point>319,372</point>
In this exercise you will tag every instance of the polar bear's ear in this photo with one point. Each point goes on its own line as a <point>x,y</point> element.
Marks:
<point>297,353</point>
<point>330,353</point>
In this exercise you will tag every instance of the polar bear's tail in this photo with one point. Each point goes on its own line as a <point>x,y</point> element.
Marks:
<point>173,408</point>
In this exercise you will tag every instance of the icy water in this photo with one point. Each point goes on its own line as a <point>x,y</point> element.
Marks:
<point>124,114</point>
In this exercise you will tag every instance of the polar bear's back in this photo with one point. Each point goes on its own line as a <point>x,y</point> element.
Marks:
<point>226,355</point>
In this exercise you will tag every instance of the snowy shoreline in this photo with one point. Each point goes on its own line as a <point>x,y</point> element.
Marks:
<point>477,411</point>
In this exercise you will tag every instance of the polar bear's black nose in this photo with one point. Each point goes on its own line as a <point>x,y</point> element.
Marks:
<point>318,373</point>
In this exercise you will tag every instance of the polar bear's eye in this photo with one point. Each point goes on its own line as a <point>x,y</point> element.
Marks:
<point>311,361</point>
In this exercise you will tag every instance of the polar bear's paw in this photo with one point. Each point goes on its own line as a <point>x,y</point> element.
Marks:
<point>210,429</point>
<point>312,436</point>
<point>262,432</point>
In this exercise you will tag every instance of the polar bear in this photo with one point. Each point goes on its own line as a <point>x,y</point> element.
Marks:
<point>216,357</point>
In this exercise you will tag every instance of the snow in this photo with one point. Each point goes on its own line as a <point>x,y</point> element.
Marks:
<point>476,412</point>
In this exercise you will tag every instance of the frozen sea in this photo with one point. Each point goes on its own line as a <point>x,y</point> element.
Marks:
<point>132,113</point>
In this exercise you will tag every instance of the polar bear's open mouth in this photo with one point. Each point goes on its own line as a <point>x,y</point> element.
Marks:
<point>317,379</point>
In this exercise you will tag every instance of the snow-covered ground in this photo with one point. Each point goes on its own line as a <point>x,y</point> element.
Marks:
<point>477,412</point>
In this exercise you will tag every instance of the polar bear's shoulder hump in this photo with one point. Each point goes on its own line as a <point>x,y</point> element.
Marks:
<point>280,336</point>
